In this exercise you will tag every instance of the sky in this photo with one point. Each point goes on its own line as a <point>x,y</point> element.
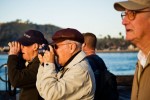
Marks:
<point>96,16</point>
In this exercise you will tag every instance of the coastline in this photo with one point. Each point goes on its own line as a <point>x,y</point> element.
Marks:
<point>116,51</point>
<point>102,51</point>
<point>3,53</point>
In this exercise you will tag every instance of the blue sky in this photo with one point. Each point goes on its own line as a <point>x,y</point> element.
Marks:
<point>96,16</point>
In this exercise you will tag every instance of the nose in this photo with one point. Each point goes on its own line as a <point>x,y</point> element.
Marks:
<point>125,20</point>
<point>22,47</point>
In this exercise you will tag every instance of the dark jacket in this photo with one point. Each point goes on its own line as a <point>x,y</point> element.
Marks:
<point>106,85</point>
<point>97,69</point>
<point>23,77</point>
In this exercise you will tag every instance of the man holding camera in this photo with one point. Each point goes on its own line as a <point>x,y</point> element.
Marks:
<point>23,63</point>
<point>75,81</point>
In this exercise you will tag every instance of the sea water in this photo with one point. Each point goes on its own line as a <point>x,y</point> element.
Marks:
<point>117,63</point>
<point>120,63</point>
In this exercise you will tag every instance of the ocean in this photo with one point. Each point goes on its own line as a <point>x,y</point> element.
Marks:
<point>120,63</point>
<point>117,63</point>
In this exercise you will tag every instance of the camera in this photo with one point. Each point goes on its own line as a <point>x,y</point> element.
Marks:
<point>43,48</point>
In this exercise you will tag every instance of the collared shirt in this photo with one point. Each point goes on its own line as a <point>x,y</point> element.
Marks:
<point>143,58</point>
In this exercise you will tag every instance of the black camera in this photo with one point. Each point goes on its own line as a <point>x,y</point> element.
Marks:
<point>43,48</point>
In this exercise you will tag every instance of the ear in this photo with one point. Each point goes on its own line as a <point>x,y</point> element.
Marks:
<point>73,47</point>
<point>35,46</point>
<point>83,46</point>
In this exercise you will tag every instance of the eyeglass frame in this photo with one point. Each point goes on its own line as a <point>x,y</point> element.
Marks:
<point>133,12</point>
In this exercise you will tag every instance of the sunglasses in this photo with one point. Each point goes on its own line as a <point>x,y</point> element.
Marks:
<point>55,46</point>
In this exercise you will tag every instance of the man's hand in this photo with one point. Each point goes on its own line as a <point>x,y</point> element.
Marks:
<point>14,48</point>
<point>47,57</point>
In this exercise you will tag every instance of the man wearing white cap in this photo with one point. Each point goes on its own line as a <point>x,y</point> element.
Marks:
<point>136,19</point>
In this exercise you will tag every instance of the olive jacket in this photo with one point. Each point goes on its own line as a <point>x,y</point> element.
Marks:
<point>141,86</point>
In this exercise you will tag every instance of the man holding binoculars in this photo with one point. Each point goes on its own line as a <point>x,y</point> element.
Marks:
<point>23,63</point>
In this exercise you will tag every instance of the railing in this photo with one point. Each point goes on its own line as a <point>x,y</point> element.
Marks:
<point>5,74</point>
<point>124,80</point>
<point>4,78</point>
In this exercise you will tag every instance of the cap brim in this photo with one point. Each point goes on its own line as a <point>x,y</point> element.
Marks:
<point>56,41</point>
<point>121,6</point>
<point>24,41</point>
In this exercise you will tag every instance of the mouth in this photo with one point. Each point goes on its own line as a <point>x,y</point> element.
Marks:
<point>128,30</point>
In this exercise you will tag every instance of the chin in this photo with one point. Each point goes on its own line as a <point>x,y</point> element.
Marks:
<point>129,37</point>
<point>25,58</point>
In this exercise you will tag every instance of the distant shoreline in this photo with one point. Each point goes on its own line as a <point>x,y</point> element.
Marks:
<point>3,53</point>
<point>116,51</point>
<point>103,51</point>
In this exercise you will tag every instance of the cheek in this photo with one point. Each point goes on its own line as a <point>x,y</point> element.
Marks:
<point>142,25</point>
<point>26,54</point>
<point>137,28</point>
<point>62,56</point>
<point>25,57</point>
<point>140,29</point>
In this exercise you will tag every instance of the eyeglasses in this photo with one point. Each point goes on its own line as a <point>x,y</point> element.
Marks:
<point>55,46</point>
<point>131,14</point>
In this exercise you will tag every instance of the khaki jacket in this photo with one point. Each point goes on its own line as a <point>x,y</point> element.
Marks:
<point>75,82</point>
<point>141,87</point>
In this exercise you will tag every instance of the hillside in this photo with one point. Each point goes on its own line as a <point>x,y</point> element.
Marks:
<point>13,30</point>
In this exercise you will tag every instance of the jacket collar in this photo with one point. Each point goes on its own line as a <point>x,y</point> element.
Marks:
<point>79,57</point>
